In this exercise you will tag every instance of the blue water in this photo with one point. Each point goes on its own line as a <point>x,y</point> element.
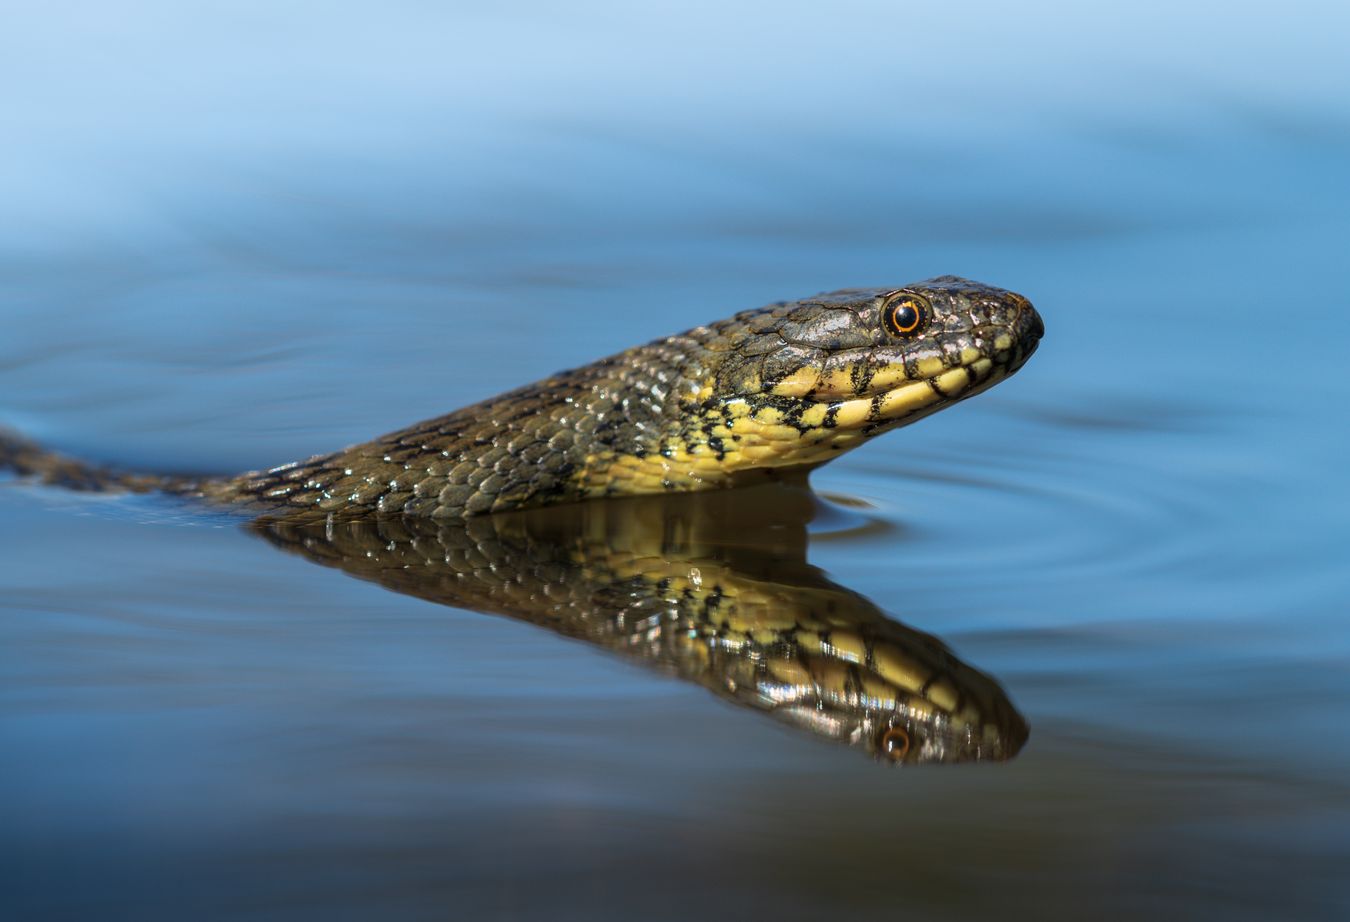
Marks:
<point>234,235</point>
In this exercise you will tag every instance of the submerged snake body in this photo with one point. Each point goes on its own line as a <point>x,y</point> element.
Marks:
<point>765,394</point>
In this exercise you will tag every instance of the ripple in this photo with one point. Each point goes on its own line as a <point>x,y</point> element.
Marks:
<point>845,517</point>
<point>1059,504</point>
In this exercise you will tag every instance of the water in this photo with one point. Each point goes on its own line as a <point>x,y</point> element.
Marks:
<point>236,235</point>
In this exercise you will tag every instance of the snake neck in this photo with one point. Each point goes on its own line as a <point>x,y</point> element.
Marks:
<point>609,427</point>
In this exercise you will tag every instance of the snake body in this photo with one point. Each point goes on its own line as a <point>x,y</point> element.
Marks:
<point>766,394</point>
<point>713,588</point>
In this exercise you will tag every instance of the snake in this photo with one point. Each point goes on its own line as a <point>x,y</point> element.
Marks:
<point>712,588</point>
<point>766,394</point>
<point>674,570</point>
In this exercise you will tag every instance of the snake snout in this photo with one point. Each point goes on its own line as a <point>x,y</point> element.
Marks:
<point>1030,326</point>
<point>1017,329</point>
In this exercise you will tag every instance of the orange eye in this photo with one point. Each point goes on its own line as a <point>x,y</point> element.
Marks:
<point>895,743</point>
<point>907,315</point>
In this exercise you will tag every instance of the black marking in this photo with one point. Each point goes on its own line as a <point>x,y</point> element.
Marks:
<point>860,376</point>
<point>941,393</point>
<point>912,366</point>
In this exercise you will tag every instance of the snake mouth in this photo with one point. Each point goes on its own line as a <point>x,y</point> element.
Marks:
<point>883,389</point>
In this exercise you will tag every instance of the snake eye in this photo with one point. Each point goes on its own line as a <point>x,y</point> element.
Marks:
<point>895,743</point>
<point>907,315</point>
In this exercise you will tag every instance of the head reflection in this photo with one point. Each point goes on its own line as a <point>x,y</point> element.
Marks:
<point>711,587</point>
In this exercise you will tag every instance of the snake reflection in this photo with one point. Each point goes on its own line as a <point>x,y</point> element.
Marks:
<point>713,588</point>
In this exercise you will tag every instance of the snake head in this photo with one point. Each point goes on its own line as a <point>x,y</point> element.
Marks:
<point>906,700</point>
<point>795,383</point>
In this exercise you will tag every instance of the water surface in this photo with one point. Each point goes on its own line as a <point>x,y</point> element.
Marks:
<point>238,236</point>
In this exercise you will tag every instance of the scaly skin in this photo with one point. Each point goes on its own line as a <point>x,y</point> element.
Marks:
<point>713,588</point>
<point>767,394</point>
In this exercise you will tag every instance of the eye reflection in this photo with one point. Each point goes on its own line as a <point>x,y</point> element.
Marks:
<point>895,743</point>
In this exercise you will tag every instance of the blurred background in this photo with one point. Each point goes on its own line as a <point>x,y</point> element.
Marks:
<point>234,234</point>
